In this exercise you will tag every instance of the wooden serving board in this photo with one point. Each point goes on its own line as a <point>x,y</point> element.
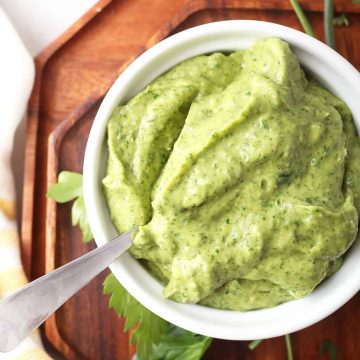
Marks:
<point>72,76</point>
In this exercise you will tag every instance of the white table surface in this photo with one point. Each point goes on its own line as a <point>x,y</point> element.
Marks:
<point>38,22</point>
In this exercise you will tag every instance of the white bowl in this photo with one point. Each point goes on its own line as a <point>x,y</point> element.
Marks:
<point>332,70</point>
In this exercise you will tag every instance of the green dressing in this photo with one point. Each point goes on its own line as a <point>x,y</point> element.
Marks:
<point>242,174</point>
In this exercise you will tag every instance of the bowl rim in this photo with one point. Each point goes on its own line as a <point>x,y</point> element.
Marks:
<point>226,324</point>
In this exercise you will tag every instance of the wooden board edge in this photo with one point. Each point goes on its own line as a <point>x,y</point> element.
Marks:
<point>56,340</point>
<point>51,330</point>
<point>54,144</point>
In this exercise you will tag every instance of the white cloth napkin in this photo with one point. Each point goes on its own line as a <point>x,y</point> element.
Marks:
<point>16,81</point>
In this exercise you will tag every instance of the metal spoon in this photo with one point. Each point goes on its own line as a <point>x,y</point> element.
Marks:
<point>26,309</point>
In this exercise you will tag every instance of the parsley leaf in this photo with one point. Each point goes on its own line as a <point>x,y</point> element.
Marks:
<point>327,346</point>
<point>180,344</point>
<point>69,187</point>
<point>78,217</point>
<point>148,326</point>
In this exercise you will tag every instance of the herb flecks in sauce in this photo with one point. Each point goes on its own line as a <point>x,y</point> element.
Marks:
<point>243,176</point>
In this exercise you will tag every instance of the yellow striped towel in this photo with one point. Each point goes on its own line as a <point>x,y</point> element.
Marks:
<point>17,76</point>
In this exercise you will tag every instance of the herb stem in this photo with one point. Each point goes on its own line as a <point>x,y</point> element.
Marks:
<point>254,344</point>
<point>302,17</point>
<point>289,351</point>
<point>328,23</point>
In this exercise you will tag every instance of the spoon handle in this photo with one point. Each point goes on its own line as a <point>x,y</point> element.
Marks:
<point>26,309</point>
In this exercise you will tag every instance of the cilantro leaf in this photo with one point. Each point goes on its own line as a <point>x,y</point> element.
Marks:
<point>180,344</point>
<point>149,327</point>
<point>78,217</point>
<point>327,346</point>
<point>356,1</point>
<point>68,187</point>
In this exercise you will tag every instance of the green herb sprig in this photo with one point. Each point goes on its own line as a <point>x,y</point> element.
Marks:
<point>328,23</point>
<point>302,17</point>
<point>289,350</point>
<point>148,326</point>
<point>179,344</point>
<point>329,20</point>
<point>68,188</point>
<point>155,338</point>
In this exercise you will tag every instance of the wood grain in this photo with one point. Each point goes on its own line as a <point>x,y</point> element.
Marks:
<point>32,125</point>
<point>72,76</point>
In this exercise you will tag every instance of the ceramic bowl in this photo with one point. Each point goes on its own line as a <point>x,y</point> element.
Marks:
<point>331,69</point>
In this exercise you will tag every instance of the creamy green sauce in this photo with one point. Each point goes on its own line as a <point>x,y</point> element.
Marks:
<point>242,174</point>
